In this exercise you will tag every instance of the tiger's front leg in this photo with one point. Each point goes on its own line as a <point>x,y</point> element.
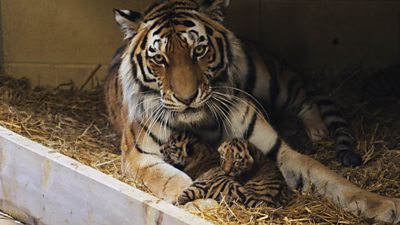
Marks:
<point>142,161</point>
<point>306,174</point>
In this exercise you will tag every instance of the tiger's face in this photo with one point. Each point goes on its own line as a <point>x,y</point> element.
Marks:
<point>178,58</point>
<point>235,157</point>
<point>179,53</point>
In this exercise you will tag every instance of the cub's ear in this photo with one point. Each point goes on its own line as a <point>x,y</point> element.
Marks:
<point>215,8</point>
<point>129,21</point>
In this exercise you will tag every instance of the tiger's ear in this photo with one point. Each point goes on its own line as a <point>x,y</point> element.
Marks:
<point>215,8</point>
<point>129,21</point>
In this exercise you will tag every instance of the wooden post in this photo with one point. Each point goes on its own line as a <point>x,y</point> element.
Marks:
<point>41,186</point>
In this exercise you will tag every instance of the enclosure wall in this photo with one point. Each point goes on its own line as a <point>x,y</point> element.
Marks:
<point>53,42</point>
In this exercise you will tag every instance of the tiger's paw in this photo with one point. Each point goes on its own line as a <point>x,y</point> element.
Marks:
<point>201,205</point>
<point>316,132</point>
<point>379,208</point>
<point>349,158</point>
<point>173,189</point>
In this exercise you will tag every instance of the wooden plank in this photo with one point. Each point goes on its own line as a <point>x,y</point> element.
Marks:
<point>40,186</point>
<point>7,220</point>
<point>1,42</point>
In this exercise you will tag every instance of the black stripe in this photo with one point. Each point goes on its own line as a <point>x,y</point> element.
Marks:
<point>267,195</point>
<point>241,195</point>
<point>152,165</point>
<point>155,24</point>
<point>225,182</point>
<point>179,12</point>
<point>246,113</point>
<point>140,62</point>
<point>166,123</point>
<point>167,182</point>
<point>333,113</point>
<point>251,73</point>
<point>267,183</point>
<point>142,87</point>
<point>145,89</point>
<point>137,145</point>
<point>274,89</point>
<point>166,25</point>
<point>186,23</point>
<point>273,153</point>
<point>325,102</point>
<point>209,30</point>
<point>290,90</point>
<point>332,127</point>
<point>228,47</point>
<point>345,142</point>
<point>250,128</point>
<point>144,42</point>
<point>132,16</point>
<point>190,194</point>
<point>152,7</point>
<point>153,137</point>
<point>299,182</point>
<point>220,45</point>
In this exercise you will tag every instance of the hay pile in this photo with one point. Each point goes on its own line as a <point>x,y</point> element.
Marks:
<point>74,123</point>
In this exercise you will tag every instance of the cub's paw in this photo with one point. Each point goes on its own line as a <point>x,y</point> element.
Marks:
<point>201,204</point>
<point>381,209</point>
<point>349,158</point>
<point>183,199</point>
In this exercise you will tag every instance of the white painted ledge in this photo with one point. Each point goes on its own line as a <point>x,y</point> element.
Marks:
<point>40,186</point>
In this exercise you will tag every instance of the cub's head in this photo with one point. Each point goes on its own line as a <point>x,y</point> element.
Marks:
<point>178,56</point>
<point>178,149</point>
<point>235,157</point>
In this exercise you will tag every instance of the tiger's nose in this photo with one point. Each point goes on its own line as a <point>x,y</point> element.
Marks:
<point>187,100</point>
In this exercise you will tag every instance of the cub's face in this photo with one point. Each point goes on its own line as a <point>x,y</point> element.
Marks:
<point>177,149</point>
<point>235,157</point>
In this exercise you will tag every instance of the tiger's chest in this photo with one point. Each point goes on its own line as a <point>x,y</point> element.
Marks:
<point>213,132</point>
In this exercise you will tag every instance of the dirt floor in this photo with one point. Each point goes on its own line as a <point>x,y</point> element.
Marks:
<point>74,123</point>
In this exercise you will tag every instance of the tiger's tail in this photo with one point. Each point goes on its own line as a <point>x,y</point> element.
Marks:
<point>338,127</point>
<point>383,84</point>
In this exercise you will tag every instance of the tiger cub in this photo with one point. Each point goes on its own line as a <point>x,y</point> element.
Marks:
<point>218,183</point>
<point>188,153</point>
<point>261,178</point>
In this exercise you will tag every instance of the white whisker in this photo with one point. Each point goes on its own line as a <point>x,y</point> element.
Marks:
<point>223,117</point>
<point>261,107</point>
<point>149,120</point>
<point>228,112</point>
<point>246,102</point>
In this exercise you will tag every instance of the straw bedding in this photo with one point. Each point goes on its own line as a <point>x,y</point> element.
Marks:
<point>74,123</point>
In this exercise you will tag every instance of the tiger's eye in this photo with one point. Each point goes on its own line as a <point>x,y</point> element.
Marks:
<point>159,59</point>
<point>199,50</point>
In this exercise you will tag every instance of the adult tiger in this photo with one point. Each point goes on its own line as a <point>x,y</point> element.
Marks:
<point>181,69</point>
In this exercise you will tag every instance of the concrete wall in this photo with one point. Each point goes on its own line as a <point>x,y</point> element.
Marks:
<point>53,42</point>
